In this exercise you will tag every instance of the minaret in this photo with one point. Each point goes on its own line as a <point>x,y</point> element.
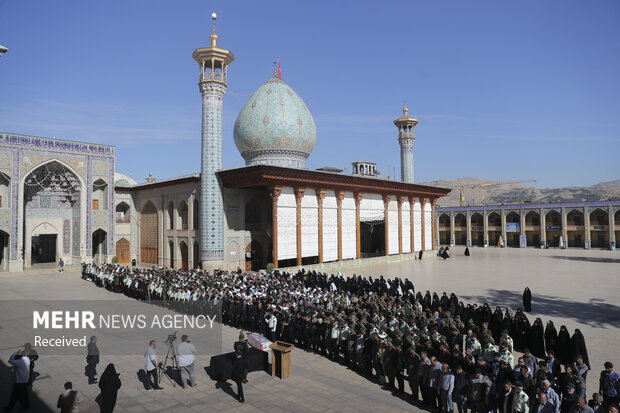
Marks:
<point>405,125</point>
<point>213,73</point>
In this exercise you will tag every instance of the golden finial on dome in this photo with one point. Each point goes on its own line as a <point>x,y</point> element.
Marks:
<point>405,109</point>
<point>213,35</point>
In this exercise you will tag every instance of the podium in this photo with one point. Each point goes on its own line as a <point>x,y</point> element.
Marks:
<point>281,359</point>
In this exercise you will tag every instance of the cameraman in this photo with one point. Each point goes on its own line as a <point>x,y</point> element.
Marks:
<point>186,355</point>
<point>151,366</point>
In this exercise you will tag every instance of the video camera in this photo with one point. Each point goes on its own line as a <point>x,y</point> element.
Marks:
<point>171,338</point>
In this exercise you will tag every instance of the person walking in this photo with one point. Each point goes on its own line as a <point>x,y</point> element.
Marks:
<point>92,359</point>
<point>239,368</point>
<point>151,366</point>
<point>609,383</point>
<point>21,365</point>
<point>61,265</point>
<point>69,400</point>
<point>186,356</point>
<point>109,384</point>
<point>446,386</point>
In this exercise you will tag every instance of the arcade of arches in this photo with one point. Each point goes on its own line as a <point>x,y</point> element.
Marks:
<point>582,225</point>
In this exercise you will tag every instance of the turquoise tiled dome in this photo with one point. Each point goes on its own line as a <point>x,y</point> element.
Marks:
<point>275,127</point>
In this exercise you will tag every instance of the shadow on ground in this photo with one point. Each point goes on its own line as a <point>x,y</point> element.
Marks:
<point>226,387</point>
<point>6,383</point>
<point>587,259</point>
<point>592,313</point>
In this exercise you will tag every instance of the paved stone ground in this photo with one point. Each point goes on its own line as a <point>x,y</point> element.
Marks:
<point>573,287</point>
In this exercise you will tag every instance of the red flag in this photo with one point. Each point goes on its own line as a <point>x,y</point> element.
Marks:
<point>279,70</point>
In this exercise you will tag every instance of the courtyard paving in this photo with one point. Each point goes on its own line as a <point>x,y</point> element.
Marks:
<point>573,287</point>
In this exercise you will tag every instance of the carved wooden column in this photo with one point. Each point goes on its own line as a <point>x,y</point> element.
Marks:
<point>339,198</point>
<point>274,193</point>
<point>299,194</point>
<point>411,224</point>
<point>320,195</point>
<point>400,201</point>
<point>386,204</point>
<point>422,204</point>
<point>357,196</point>
<point>433,223</point>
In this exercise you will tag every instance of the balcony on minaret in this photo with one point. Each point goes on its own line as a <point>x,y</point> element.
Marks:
<point>405,133</point>
<point>213,61</point>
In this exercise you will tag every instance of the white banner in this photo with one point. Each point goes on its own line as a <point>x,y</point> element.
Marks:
<point>406,229</point>
<point>330,234</point>
<point>287,232</point>
<point>417,226</point>
<point>349,243</point>
<point>428,227</point>
<point>393,232</point>
<point>309,232</point>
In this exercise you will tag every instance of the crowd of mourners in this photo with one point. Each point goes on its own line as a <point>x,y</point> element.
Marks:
<point>451,355</point>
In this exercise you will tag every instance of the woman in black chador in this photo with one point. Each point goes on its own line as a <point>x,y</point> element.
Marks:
<point>109,383</point>
<point>527,300</point>
<point>563,349</point>
<point>578,346</point>
<point>537,339</point>
<point>427,300</point>
<point>507,323</point>
<point>551,337</point>
<point>496,323</point>
<point>522,330</point>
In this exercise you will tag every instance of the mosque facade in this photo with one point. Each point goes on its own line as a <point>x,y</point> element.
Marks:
<point>62,199</point>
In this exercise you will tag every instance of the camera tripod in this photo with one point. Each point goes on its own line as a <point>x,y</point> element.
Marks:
<point>174,364</point>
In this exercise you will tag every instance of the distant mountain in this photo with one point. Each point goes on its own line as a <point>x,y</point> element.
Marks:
<point>520,193</point>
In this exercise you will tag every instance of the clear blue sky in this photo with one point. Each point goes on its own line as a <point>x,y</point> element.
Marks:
<point>503,90</point>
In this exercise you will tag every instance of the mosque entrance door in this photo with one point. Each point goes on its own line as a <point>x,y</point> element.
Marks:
<point>184,256</point>
<point>43,248</point>
<point>122,251</point>
<point>372,239</point>
<point>253,256</point>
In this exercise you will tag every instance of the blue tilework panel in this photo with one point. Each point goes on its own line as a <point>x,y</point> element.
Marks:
<point>211,203</point>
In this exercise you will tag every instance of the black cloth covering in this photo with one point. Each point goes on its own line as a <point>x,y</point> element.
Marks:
<point>578,346</point>
<point>109,383</point>
<point>221,367</point>
<point>527,300</point>
<point>551,337</point>
<point>563,351</point>
<point>537,339</point>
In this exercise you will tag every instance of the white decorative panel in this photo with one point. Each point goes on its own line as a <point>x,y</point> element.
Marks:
<point>309,232</point>
<point>371,208</point>
<point>417,226</point>
<point>287,197</point>
<point>393,205</point>
<point>309,199</point>
<point>428,227</point>
<point>393,232</point>
<point>330,200</point>
<point>349,240</point>
<point>287,232</point>
<point>330,233</point>
<point>406,228</point>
